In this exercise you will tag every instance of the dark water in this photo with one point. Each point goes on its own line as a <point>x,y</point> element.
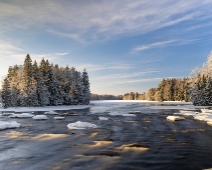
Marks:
<point>147,141</point>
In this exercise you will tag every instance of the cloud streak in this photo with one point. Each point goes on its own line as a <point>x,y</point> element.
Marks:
<point>100,20</point>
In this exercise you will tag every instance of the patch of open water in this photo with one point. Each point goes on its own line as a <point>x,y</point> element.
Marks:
<point>147,141</point>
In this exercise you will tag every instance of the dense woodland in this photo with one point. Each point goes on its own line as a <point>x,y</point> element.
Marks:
<point>44,85</point>
<point>105,97</point>
<point>197,88</point>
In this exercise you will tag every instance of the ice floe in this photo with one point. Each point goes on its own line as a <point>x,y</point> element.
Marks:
<point>126,114</point>
<point>21,115</point>
<point>59,118</point>
<point>103,118</point>
<point>40,117</point>
<point>209,123</point>
<point>175,118</point>
<point>81,125</point>
<point>207,117</point>
<point>7,114</point>
<point>51,113</point>
<point>7,125</point>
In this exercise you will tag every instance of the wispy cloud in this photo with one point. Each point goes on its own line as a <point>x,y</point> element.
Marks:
<point>98,67</point>
<point>153,45</point>
<point>80,20</point>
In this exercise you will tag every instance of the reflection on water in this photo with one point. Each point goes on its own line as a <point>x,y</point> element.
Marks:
<point>147,141</point>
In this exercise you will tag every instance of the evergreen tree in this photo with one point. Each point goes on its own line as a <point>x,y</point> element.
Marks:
<point>85,87</point>
<point>6,94</point>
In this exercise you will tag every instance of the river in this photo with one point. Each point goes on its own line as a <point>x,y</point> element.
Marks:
<point>144,142</point>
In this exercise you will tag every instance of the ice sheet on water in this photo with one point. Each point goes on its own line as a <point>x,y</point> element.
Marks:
<point>81,125</point>
<point>40,117</point>
<point>45,108</point>
<point>7,114</point>
<point>207,117</point>
<point>59,118</point>
<point>8,125</point>
<point>51,113</point>
<point>120,114</point>
<point>21,115</point>
<point>103,118</point>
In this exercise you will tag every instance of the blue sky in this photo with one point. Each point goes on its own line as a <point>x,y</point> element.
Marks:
<point>125,45</point>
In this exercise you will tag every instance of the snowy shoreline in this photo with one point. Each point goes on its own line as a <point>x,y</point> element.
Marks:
<point>45,108</point>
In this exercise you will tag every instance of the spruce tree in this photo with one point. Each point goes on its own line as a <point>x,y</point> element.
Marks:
<point>6,94</point>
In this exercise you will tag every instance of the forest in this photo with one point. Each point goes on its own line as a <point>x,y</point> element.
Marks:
<point>32,85</point>
<point>196,88</point>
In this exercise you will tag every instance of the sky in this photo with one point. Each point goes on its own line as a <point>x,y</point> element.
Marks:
<point>125,45</point>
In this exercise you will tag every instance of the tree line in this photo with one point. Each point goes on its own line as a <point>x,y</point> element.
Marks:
<point>44,85</point>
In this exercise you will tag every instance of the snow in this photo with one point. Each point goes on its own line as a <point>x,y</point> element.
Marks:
<point>186,113</point>
<point>103,118</point>
<point>81,125</point>
<point>7,114</point>
<point>22,115</point>
<point>206,111</point>
<point>7,125</point>
<point>59,118</point>
<point>209,123</point>
<point>175,118</point>
<point>40,117</point>
<point>207,117</point>
<point>45,108</point>
<point>51,113</point>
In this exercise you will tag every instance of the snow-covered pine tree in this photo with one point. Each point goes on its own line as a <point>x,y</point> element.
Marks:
<point>6,94</point>
<point>55,96</point>
<point>85,87</point>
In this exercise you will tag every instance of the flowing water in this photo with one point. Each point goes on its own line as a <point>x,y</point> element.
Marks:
<point>147,141</point>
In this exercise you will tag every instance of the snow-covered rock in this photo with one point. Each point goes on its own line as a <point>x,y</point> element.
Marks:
<point>175,118</point>
<point>7,114</point>
<point>51,113</point>
<point>21,115</point>
<point>40,117</point>
<point>81,125</point>
<point>7,125</point>
<point>59,118</point>
<point>103,118</point>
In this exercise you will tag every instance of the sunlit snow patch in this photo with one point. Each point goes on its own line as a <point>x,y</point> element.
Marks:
<point>209,123</point>
<point>7,125</point>
<point>206,111</point>
<point>21,115</point>
<point>186,113</point>
<point>51,113</point>
<point>207,117</point>
<point>81,125</point>
<point>40,117</point>
<point>59,118</point>
<point>175,118</point>
<point>103,118</point>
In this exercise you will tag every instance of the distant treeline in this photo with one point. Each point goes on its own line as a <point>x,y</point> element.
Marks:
<point>167,90</point>
<point>44,85</point>
<point>105,97</point>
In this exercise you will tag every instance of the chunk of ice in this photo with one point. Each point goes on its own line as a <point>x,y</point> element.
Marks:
<point>7,125</point>
<point>81,125</point>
